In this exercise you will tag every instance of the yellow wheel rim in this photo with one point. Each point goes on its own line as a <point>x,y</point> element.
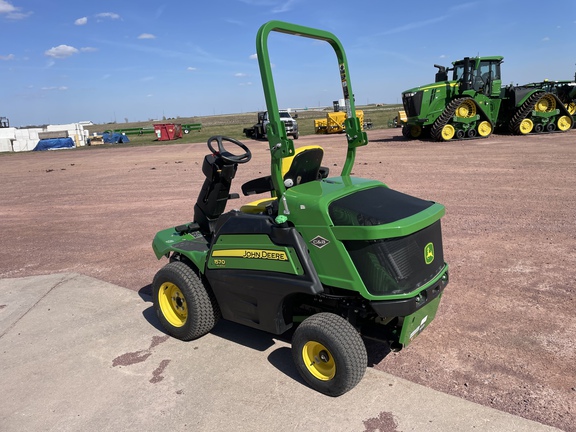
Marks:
<point>571,107</point>
<point>415,131</point>
<point>319,361</point>
<point>546,103</point>
<point>448,132</point>
<point>172,304</point>
<point>484,129</point>
<point>564,123</point>
<point>526,126</point>
<point>466,109</point>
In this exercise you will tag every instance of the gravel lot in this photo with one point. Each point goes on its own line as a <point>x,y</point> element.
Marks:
<point>505,332</point>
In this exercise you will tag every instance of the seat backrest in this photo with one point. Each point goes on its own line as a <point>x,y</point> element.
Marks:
<point>304,166</point>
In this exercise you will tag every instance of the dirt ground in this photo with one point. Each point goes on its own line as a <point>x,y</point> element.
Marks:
<point>505,332</point>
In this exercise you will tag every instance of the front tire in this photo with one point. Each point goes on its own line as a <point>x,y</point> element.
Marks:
<point>329,354</point>
<point>411,131</point>
<point>184,304</point>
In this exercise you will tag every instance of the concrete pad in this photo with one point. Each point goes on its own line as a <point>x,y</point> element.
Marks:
<point>81,354</point>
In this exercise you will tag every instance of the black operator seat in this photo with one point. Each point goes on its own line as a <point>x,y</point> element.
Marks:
<point>303,167</point>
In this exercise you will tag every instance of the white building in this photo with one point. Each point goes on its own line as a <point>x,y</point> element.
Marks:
<point>15,140</point>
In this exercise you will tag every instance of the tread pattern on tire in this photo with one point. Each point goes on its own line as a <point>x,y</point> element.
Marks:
<point>203,310</point>
<point>345,344</point>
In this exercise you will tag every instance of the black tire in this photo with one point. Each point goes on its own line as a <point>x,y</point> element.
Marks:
<point>295,136</point>
<point>184,303</point>
<point>329,354</point>
<point>406,132</point>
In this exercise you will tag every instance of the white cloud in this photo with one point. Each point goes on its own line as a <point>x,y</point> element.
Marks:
<point>253,57</point>
<point>6,7</point>
<point>235,22</point>
<point>285,6</point>
<point>248,83</point>
<point>111,15</point>
<point>277,7</point>
<point>546,39</point>
<point>81,21</point>
<point>11,11</point>
<point>61,51</point>
<point>61,88</point>
<point>190,68</point>
<point>146,36</point>
<point>7,57</point>
<point>240,74</point>
<point>18,15</point>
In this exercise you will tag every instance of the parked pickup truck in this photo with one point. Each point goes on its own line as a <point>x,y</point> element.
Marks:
<point>258,131</point>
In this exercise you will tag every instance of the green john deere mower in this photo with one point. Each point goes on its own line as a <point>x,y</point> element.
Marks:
<point>340,258</point>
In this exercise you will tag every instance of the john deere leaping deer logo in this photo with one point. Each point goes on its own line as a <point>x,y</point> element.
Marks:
<point>429,253</point>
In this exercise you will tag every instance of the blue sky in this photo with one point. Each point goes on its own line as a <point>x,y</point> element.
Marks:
<point>67,61</point>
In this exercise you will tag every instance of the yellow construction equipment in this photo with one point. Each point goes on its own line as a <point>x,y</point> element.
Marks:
<point>399,120</point>
<point>334,122</point>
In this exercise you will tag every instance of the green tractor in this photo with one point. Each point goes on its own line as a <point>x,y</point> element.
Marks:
<point>473,104</point>
<point>565,90</point>
<point>339,258</point>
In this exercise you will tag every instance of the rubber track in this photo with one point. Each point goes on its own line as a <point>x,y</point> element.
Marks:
<point>522,113</point>
<point>436,130</point>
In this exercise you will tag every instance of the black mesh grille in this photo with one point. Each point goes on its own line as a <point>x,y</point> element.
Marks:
<point>398,265</point>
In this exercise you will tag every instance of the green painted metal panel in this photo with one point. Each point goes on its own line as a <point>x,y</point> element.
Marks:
<point>253,252</point>
<point>418,321</point>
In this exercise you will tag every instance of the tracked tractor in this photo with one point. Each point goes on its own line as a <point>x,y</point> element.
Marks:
<point>335,258</point>
<point>565,90</point>
<point>473,104</point>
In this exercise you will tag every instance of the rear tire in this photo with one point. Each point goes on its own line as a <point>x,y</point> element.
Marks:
<point>184,304</point>
<point>329,354</point>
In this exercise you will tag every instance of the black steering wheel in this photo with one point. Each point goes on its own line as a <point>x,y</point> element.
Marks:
<point>225,154</point>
